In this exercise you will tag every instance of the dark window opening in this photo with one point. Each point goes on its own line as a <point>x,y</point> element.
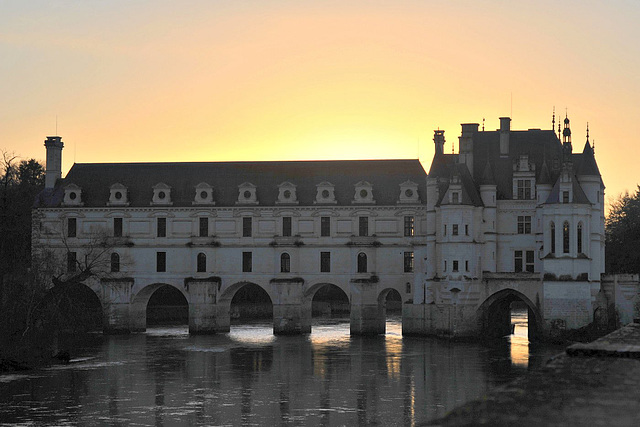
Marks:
<point>552,231</point>
<point>246,226</point>
<point>247,262</point>
<point>325,262</point>
<point>455,266</point>
<point>408,262</point>
<point>454,230</point>
<point>565,238</point>
<point>363,229</point>
<point>286,226</point>
<point>201,263</point>
<point>285,263</point>
<point>204,227</point>
<point>362,262</point>
<point>161,262</point>
<point>71,262</point>
<point>117,227</point>
<point>325,226</point>
<point>115,262</point>
<point>71,227</point>
<point>162,227</point>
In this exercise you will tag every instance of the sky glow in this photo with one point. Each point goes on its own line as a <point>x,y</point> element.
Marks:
<point>287,80</point>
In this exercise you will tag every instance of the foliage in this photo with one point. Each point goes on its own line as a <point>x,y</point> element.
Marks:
<point>622,234</point>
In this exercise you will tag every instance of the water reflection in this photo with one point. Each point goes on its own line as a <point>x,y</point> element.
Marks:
<point>250,377</point>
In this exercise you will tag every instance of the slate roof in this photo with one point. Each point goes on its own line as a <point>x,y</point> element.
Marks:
<point>95,180</point>
<point>542,147</point>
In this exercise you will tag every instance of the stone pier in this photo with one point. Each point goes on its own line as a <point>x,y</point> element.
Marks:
<point>288,307</point>
<point>116,297</point>
<point>367,315</point>
<point>203,294</point>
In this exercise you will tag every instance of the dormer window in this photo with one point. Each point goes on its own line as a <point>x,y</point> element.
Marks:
<point>72,195</point>
<point>524,189</point>
<point>408,192</point>
<point>247,194</point>
<point>455,197</point>
<point>325,193</point>
<point>287,194</point>
<point>161,195</point>
<point>363,193</point>
<point>204,194</point>
<point>118,195</point>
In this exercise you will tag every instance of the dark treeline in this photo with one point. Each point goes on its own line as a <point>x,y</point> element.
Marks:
<point>622,251</point>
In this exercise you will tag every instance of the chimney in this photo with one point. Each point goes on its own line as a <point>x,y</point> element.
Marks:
<point>438,139</point>
<point>505,128</point>
<point>53,170</point>
<point>465,143</point>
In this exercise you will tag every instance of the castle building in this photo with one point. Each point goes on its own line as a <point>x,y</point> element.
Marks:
<point>514,216</point>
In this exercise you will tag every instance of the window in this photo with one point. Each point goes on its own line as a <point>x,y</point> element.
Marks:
<point>408,288</point>
<point>285,263</point>
<point>71,227</point>
<point>445,265</point>
<point>565,237</point>
<point>325,226</point>
<point>455,198</point>
<point>325,262</point>
<point>455,266</point>
<point>524,224</point>
<point>363,226</point>
<point>529,264</point>
<point>162,227</point>
<point>552,231</point>
<point>523,261</point>
<point>408,262</point>
<point>161,262</point>
<point>408,226</point>
<point>362,262</point>
<point>454,230</point>
<point>286,226</point>
<point>115,262</point>
<point>445,230</point>
<point>117,227</point>
<point>204,227</point>
<point>466,266</point>
<point>71,262</point>
<point>579,236</point>
<point>201,262</point>
<point>246,226</point>
<point>524,189</point>
<point>466,229</point>
<point>565,197</point>
<point>247,262</point>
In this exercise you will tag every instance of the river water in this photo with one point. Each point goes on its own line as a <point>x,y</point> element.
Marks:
<point>166,377</point>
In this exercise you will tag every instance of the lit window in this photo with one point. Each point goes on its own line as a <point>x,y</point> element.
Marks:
<point>408,226</point>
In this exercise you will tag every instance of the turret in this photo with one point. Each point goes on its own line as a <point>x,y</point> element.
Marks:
<point>53,170</point>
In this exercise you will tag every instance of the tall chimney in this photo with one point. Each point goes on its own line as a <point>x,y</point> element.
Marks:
<point>438,139</point>
<point>53,170</point>
<point>505,128</point>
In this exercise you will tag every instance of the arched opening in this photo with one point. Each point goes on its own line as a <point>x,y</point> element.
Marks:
<point>201,266</point>
<point>285,263</point>
<point>552,233</point>
<point>390,310</point>
<point>579,237</point>
<point>329,301</point>
<point>115,262</point>
<point>250,302</point>
<point>565,237</point>
<point>362,262</point>
<point>167,306</point>
<point>73,307</point>
<point>509,312</point>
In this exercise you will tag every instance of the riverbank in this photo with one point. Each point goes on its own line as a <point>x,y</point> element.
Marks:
<point>589,384</point>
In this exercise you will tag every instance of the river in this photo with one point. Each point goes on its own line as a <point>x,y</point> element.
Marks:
<point>165,377</point>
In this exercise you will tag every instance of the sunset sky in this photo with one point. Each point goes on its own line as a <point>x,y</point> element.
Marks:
<point>286,80</point>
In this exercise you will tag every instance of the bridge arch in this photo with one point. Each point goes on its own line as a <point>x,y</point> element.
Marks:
<point>226,298</point>
<point>73,305</point>
<point>494,314</point>
<point>140,302</point>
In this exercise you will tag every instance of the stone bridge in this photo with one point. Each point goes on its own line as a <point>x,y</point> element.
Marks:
<point>124,301</point>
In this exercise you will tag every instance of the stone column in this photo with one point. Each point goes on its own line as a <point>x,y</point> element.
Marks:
<point>287,306</point>
<point>202,305</point>
<point>116,296</point>
<point>367,316</point>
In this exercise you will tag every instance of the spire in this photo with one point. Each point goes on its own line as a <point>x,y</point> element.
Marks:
<point>588,165</point>
<point>566,138</point>
<point>587,132</point>
<point>487,175</point>
<point>553,120</point>
<point>544,177</point>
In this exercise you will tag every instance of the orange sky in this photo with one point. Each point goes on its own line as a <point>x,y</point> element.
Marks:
<point>264,80</point>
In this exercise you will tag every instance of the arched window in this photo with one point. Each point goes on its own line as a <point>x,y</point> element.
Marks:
<point>115,262</point>
<point>579,236</point>
<point>552,231</point>
<point>362,262</point>
<point>202,263</point>
<point>285,263</point>
<point>565,237</point>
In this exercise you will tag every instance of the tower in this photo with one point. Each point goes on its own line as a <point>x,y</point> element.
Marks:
<point>566,138</point>
<point>53,170</point>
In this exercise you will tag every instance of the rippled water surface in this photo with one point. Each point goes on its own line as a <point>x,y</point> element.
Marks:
<point>251,377</point>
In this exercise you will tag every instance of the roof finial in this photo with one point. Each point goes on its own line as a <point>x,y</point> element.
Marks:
<point>553,120</point>
<point>587,132</point>
<point>452,146</point>
<point>483,124</point>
